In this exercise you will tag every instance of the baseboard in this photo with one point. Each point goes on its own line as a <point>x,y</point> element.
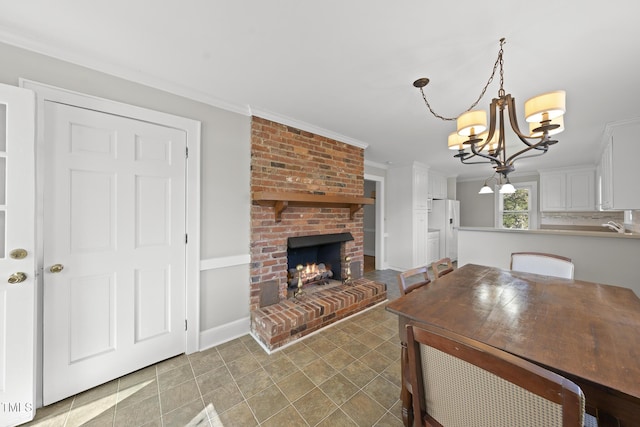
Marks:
<point>223,333</point>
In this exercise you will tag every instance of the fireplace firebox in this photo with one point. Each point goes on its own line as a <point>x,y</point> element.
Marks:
<point>319,256</point>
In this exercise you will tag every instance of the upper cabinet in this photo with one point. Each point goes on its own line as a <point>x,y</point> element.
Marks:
<point>437,185</point>
<point>619,172</point>
<point>420,186</point>
<point>567,189</point>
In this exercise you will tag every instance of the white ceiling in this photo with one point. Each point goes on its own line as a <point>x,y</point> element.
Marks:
<point>347,66</point>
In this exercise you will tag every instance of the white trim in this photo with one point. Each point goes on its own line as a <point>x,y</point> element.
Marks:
<point>376,164</point>
<point>52,51</point>
<point>298,124</point>
<point>381,256</point>
<point>223,333</point>
<point>222,262</point>
<point>191,127</point>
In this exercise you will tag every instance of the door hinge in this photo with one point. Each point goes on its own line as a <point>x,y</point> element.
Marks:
<point>186,239</point>
<point>185,324</point>
<point>186,149</point>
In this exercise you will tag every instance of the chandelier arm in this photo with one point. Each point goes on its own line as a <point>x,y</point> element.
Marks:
<point>481,154</point>
<point>539,146</point>
<point>464,159</point>
<point>515,126</point>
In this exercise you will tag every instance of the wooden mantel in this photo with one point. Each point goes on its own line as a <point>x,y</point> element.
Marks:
<point>281,200</point>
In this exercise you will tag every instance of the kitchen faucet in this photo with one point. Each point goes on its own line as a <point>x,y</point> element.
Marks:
<point>614,226</point>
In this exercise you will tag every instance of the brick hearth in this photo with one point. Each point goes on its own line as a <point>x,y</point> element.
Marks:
<point>291,319</point>
<point>285,159</point>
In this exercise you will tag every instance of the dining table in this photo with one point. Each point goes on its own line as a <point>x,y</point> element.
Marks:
<point>587,332</point>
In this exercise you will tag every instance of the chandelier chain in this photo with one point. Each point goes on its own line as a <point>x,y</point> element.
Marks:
<point>499,61</point>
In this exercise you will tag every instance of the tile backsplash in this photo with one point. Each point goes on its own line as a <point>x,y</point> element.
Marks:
<point>631,219</point>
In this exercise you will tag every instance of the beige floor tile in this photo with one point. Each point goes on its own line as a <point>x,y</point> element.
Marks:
<point>191,414</point>
<point>169,364</point>
<point>171,378</point>
<point>238,415</point>
<point>295,385</point>
<point>339,389</point>
<point>376,361</point>
<point>393,373</point>
<point>337,419</point>
<point>100,393</point>
<point>303,356</point>
<point>287,417</point>
<point>243,366</point>
<point>356,349</point>
<point>223,397</point>
<point>281,368</point>
<point>137,377</point>
<point>267,403</point>
<point>254,383</point>
<point>389,350</point>
<point>319,371</point>
<point>383,391</point>
<point>137,392</point>
<point>178,396</point>
<point>338,359</point>
<point>232,351</point>
<point>314,406</point>
<point>389,420</point>
<point>211,380</point>
<point>359,373</point>
<point>139,413</point>
<point>338,337</point>
<point>206,361</point>
<point>320,345</point>
<point>364,410</point>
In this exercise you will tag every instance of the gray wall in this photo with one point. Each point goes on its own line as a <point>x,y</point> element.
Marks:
<point>225,161</point>
<point>478,210</point>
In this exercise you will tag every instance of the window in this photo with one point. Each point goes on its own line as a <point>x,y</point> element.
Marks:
<point>518,210</point>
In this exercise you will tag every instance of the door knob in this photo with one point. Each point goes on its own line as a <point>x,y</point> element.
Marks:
<point>17,277</point>
<point>56,268</point>
<point>18,253</point>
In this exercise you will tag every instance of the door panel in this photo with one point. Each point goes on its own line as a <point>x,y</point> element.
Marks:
<point>114,217</point>
<point>17,231</point>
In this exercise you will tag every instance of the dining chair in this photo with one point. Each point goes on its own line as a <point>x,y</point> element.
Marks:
<point>437,265</point>
<point>542,263</point>
<point>413,279</point>
<point>457,381</point>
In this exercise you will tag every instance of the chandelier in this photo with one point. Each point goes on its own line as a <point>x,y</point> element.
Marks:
<point>476,144</point>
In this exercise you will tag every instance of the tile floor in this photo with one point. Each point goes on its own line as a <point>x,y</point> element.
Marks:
<point>345,375</point>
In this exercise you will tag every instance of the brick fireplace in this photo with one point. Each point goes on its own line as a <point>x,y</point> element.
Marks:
<point>303,184</point>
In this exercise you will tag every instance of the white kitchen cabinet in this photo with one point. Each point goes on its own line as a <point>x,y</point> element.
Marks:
<point>567,189</point>
<point>407,216</point>
<point>437,185</point>
<point>620,173</point>
<point>433,246</point>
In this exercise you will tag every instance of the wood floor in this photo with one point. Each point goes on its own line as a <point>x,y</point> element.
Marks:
<point>369,263</point>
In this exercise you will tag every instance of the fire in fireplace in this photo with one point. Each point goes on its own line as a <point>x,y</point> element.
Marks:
<point>319,256</point>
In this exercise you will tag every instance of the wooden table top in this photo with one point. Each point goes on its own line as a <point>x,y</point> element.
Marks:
<point>588,330</point>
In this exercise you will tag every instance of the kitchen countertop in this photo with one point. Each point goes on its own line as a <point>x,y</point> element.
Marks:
<point>606,234</point>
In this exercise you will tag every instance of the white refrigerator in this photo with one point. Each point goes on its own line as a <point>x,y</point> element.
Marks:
<point>445,216</point>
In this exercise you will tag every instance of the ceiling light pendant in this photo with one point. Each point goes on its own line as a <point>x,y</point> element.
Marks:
<point>479,142</point>
<point>506,188</point>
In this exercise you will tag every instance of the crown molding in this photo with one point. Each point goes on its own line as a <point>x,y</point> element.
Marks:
<point>87,61</point>
<point>298,124</point>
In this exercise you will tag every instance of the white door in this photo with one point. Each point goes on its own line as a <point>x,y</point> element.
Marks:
<point>114,247</point>
<point>17,255</point>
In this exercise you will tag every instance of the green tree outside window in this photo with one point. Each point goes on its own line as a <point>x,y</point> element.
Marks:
<point>515,209</point>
